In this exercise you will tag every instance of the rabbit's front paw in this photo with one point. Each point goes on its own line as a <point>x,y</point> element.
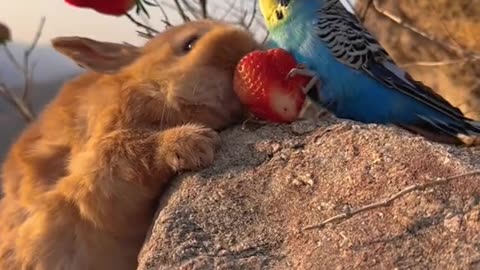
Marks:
<point>189,147</point>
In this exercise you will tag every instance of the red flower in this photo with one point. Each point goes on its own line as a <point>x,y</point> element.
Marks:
<point>109,7</point>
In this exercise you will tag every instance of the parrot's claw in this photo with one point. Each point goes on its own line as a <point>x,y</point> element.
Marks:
<point>314,81</point>
<point>303,71</point>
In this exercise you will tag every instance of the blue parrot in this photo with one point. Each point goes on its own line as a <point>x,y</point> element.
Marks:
<point>354,77</point>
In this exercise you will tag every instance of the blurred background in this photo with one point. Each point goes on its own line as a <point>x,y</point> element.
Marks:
<point>438,41</point>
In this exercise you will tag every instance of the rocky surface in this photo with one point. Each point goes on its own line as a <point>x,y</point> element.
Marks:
<point>268,182</point>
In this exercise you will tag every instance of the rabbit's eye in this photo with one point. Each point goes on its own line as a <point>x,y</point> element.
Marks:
<point>188,46</point>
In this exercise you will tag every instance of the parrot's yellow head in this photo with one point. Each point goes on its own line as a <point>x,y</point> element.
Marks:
<point>275,12</point>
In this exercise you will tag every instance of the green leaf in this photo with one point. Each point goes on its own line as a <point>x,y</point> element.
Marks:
<point>141,8</point>
<point>148,3</point>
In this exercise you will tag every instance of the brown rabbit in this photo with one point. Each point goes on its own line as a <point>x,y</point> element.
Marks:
<point>81,182</point>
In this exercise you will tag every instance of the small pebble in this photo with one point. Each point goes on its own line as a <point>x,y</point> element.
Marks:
<point>297,183</point>
<point>303,127</point>
<point>453,224</point>
<point>276,147</point>
<point>222,252</point>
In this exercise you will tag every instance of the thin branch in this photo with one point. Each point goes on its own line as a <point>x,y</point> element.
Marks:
<point>21,107</point>
<point>465,56</point>
<point>194,11</point>
<point>447,46</point>
<point>165,19</point>
<point>144,34</point>
<point>150,32</point>
<point>12,58</point>
<point>450,35</point>
<point>254,14</point>
<point>463,60</point>
<point>203,8</point>
<point>5,92</point>
<point>388,201</point>
<point>265,39</point>
<point>181,11</point>
<point>365,10</point>
<point>228,10</point>
<point>241,19</point>
<point>26,63</point>
<point>23,104</point>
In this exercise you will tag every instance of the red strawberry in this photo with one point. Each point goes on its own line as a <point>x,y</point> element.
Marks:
<point>109,7</point>
<point>262,86</point>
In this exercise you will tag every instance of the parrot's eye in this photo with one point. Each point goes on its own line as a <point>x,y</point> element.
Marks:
<point>279,14</point>
<point>284,3</point>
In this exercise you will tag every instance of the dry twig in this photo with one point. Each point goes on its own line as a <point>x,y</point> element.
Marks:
<point>463,60</point>
<point>388,201</point>
<point>203,8</point>
<point>15,101</point>
<point>463,56</point>
<point>445,45</point>
<point>254,14</point>
<point>181,11</point>
<point>23,103</point>
<point>192,9</point>
<point>363,15</point>
<point>150,32</point>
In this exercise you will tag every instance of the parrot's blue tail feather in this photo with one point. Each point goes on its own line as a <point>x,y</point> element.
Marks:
<point>463,131</point>
<point>475,125</point>
<point>473,137</point>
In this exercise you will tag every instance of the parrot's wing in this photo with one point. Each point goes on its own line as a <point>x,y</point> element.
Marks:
<point>355,47</point>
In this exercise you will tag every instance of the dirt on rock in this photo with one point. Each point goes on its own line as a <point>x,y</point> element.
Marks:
<point>268,182</point>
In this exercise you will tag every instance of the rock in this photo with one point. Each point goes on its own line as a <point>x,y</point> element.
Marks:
<point>246,212</point>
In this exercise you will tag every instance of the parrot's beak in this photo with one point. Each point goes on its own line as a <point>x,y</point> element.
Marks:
<point>267,8</point>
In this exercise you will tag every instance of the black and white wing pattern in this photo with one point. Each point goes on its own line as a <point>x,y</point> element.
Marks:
<point>354,46</point>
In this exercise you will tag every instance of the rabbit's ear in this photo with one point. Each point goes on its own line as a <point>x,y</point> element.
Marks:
<point>102,57</point>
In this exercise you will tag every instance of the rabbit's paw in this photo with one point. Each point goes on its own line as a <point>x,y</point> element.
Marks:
<point>189,147</point>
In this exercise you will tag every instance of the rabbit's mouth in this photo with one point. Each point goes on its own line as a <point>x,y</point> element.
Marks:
<point>216,117</point>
